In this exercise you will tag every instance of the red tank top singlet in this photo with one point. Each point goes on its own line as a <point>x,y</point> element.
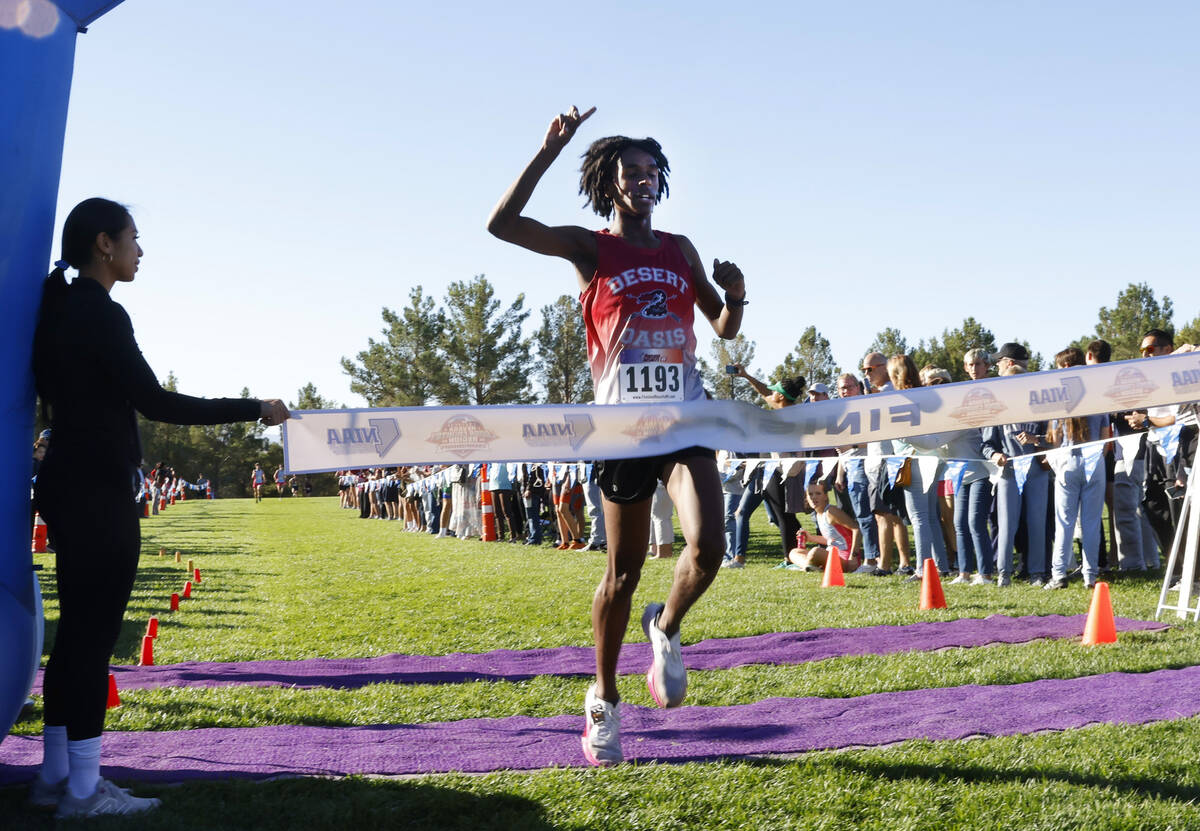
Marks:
<point>638,310</point>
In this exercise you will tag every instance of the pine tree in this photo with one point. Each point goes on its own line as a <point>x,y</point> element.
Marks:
<point>487,360</point>
<point>811,358</point>
<point>562,353</point>
<point>738,351</point>
<point>406,368</point>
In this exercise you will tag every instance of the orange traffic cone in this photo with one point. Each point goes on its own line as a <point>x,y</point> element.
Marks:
<point>114,700</point>
<point>147,659</point>
<point>152,628</point>
<point>488,510</point>
<point>187,590</point>
<point>40,534</point>
<point>833,570</point>
<point>932,596</point>
<point>145,509</point>
<point>1100,626</point>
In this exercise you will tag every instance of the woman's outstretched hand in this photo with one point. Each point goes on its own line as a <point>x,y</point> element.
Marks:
<point>274,412</point>
<point>563,127</point>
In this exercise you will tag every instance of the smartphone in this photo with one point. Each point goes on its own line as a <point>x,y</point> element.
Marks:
<point>731,369</point>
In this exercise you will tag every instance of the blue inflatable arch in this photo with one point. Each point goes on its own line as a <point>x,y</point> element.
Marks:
<point>37,54</point>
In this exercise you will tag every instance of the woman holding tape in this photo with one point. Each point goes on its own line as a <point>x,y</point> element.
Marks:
<point>92,377</point>
<point>639,289</point>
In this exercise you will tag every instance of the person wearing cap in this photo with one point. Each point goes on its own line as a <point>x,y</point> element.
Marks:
<point>1011,353</point>
<point>818,392</point>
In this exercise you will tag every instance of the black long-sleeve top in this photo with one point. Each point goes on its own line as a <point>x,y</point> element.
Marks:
<point>90,371</point>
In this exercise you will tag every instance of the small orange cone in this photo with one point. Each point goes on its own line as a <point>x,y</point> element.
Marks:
<point>174,601</point>
<point>932,596</point>
<point>486,507</point>
<point>833,570</point>
<point>187,590</point>
<point>40,535</point>
<point>195,575</point>
<point>114,700</point>
<point>1100,626</point>
<point>152,628</point>
<point>147,659</point>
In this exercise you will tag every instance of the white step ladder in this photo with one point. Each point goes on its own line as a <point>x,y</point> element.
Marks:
<point>1189,519</point>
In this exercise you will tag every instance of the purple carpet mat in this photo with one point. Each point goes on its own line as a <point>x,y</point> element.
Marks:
<point>512,665</point>
<point>776,725</point>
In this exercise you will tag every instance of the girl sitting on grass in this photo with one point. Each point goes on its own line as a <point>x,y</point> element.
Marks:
<point>837,530</point>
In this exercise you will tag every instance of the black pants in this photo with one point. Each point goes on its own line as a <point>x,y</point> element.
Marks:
<point>788,524</point>
<point>97,541</point>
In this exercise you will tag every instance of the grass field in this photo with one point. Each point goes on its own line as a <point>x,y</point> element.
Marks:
<point>301,578</point>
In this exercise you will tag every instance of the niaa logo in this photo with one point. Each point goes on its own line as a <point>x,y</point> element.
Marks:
<point>1187,379</point>
<point>379,436</point>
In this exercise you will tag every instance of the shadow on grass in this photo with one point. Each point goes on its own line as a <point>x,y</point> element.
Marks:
<point>936,775</point>
<point>336,804</point>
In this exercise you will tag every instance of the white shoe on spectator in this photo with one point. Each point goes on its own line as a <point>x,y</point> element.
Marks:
<point>106,800</point>
<point>981,580</point>
<point>959,579</point>
<point>601,730</point>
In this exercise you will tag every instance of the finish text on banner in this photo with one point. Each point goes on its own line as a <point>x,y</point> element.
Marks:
<point>324,440</point>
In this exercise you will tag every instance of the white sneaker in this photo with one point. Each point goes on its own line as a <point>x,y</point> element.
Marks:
<point>736,564</point>
<point>106,800</point>
<point>667,677</point>
<point>980,580</point>
<point>959,580</point>
<point>864,569</point>
<point>601,730</point>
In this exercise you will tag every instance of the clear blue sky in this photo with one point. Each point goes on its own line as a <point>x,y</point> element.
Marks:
<point>295,166</point>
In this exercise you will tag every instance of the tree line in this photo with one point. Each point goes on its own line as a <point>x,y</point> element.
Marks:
<point>470,350</point>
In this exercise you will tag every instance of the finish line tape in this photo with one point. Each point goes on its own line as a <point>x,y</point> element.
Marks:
<point>316,441</point>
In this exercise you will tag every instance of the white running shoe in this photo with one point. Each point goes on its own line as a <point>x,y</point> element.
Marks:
<point>667,677</point>
<point>959,580</point>
<point>106,800</point>
<point>601,730</point>
<point>981,580</point>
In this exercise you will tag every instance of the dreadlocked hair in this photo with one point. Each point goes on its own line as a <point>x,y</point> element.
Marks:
<point>599,168</point>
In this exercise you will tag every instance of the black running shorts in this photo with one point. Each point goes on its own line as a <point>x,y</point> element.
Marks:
<point>626,481</point>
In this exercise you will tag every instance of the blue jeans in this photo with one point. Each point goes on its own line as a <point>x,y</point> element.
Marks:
<point>1009,506</point>
<point>972,504</point>
<point>533,516</point>
<point>921,501</point>
<point>1077,497</point>
<point>859,492</point>
<point>752,497</point>
<point>732,501</point>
